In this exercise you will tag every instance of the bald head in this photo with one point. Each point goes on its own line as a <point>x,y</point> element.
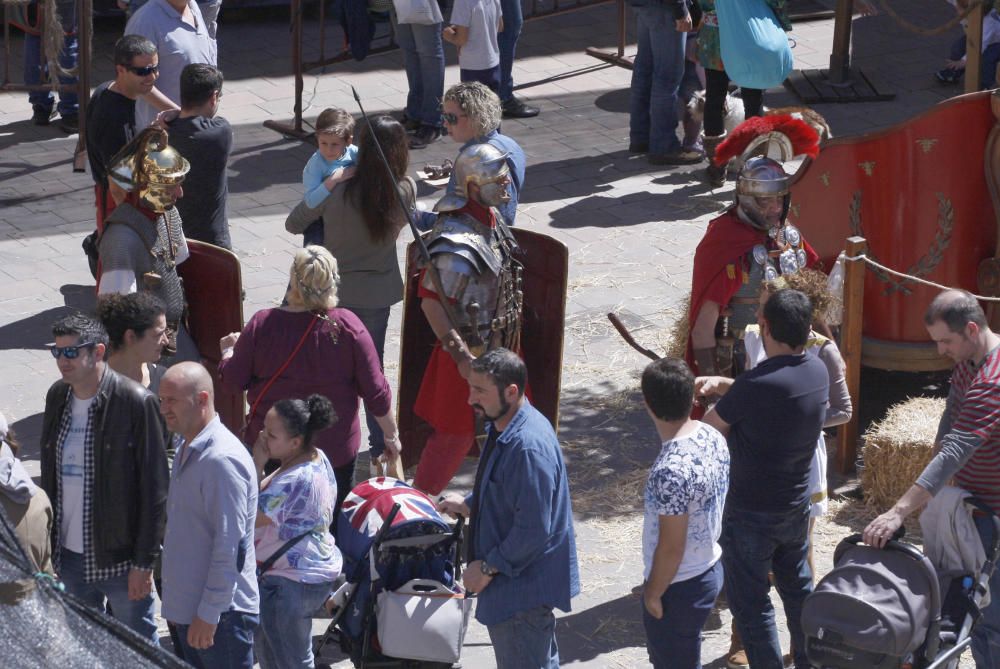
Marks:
<point>956,309</point>
<point>187,399</point>
<point>191,377</point>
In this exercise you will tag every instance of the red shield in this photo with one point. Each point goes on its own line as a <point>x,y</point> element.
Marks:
<point>546,267</point>
<point>213,286</point>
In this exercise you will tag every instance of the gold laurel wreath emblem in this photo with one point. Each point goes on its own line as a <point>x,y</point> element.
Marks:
<point>927,262</point>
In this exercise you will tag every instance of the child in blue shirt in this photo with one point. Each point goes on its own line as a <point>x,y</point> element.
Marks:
<point>332,163</point>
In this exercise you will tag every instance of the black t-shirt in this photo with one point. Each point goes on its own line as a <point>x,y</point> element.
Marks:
<point>110,126</point>
<point>776,411</point>
<point>206,143</point>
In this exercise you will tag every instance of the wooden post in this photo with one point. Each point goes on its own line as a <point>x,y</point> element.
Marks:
<point>621,28</point>
<point>840,57</point>
<point>973,48</point>
<point>850,348</point>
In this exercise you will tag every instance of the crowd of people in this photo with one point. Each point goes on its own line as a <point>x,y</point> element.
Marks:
<point>146,495</point>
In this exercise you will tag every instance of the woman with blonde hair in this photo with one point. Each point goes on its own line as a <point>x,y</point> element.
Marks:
<point>311,346</point>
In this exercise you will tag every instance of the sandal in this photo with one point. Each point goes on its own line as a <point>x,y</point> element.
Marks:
<point>442,171</point>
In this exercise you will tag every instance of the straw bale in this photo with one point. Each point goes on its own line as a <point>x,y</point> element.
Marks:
<point>675,338</point>
<point>897,449</point>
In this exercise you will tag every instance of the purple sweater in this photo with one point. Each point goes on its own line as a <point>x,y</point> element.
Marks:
<point>338,360</point>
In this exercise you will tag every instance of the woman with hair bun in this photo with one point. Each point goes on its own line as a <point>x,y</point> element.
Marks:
<point>312,346</point>
<point>292,532</point>
<point>137,332</point>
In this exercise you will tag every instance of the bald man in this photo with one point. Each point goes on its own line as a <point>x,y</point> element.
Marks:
<point>967,447</point>
<point>209,580</point>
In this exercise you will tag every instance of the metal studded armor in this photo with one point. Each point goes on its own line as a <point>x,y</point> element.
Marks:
<point>481,278</point>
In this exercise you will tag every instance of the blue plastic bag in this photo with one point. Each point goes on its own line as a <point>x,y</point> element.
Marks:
<point>754,47</point>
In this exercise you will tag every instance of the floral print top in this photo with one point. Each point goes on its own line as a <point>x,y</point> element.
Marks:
<point>690,477</point>
<point>298,500</point>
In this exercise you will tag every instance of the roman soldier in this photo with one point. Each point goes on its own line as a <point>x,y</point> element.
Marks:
<point>143,242</point>
<point>472,266</point>
<point>748,242</point>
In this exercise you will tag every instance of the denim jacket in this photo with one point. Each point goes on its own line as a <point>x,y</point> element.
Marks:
<point>525,525</point>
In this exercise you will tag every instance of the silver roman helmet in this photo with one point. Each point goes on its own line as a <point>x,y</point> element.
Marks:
<point>150,166</point>
<point>483,165</point>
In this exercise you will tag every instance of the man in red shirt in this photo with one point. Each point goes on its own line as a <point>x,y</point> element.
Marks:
<point>968,441</point>
<point>471,262</point>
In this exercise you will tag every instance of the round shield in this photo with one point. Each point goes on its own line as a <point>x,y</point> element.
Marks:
<point>801,257</point>
<point>792,235</point>
<point>788,262</point>
<point>760,254</point>
<point>770,274</point>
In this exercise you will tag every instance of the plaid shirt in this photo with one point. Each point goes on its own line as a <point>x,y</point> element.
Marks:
<point>91,572</point>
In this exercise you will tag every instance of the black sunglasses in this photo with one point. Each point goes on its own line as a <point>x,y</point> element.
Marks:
<point>451,119</point>
<point>143,71</point>
<point>70,352</point>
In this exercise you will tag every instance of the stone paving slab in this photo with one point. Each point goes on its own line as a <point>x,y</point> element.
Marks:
<point>631,230</point>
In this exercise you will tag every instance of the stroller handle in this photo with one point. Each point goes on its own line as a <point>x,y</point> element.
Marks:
<point>894,544</point>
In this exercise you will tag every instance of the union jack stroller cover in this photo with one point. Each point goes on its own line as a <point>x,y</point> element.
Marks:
<point>417,545</point>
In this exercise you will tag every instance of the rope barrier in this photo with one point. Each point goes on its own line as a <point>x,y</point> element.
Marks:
<point>930,32</point>
<point>915,279</point>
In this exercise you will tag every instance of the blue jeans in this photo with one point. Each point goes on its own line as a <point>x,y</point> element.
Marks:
<point>376,321</point>
<point>34,65</point>
<point>513,19</point>
<point>675,639</point>
<point>423,58</point>
<point>986,633</point>
<point>232,647</point>
<point>489,77</point>
<point>753,544</point>
<point>139,615</point>
<point>526,641</point>
<point>656,76</point>
<point>285,635</point>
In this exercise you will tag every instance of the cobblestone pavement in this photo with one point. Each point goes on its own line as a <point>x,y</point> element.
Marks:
<point>631,230</point>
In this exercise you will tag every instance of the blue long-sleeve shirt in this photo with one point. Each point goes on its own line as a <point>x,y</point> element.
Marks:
<point>209,566</point>
<point>316,171</point>
<point>516,163</point>
<point>525,523</point>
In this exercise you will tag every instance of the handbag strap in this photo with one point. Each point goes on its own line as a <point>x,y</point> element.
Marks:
<point>285,547</point>
<point>284,366</point>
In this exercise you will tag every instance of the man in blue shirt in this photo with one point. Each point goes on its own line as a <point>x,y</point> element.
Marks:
<point>209,581</point>
<point>771,417</point>
<point>471,113</point>
<point>522,549</point>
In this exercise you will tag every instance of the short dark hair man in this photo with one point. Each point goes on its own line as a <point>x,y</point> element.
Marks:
<point>683,500</point>
<point>522,549</point>
<point>770,416</point>
<point>104,465</point>
<point>967,447</point>
<point>205,140</point>
<point>111,112</point>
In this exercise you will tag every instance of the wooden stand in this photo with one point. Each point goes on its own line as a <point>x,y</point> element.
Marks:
<point>850,348</point>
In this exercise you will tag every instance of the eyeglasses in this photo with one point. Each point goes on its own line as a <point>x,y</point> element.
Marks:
<point>143,71</point>
<point>70,352</point>
<point>452,119</point>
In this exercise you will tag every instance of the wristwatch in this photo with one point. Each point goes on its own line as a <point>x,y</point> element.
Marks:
<point>487,570</point>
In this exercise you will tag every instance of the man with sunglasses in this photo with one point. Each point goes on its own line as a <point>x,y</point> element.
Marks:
<point>111,117</point>
<point>104,466</point>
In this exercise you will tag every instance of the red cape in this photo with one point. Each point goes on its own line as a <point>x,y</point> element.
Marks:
<point>718,267</point>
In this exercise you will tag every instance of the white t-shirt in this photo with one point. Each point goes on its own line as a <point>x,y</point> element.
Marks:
<point>71,482</point>
<point>690,476</point>
<point>482,18</point>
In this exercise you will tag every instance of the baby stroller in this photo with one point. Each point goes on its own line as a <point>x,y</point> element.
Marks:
<point>889,608</point>
<point>402,604</point>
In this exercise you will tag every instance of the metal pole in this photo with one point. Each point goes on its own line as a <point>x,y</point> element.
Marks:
<point>84,24</point>
<point>850,348</point>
